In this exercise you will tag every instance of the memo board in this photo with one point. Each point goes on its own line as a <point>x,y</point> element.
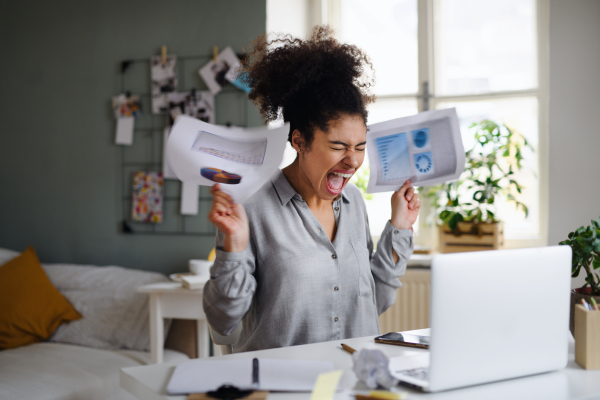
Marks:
<point>145,154</point>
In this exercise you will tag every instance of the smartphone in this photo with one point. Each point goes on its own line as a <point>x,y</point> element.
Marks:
<point>403,339</point>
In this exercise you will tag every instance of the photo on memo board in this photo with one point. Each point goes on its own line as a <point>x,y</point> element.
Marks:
<point>126,108</point>
<point>225,69</point>
<point>125,105</point>
<point>147,196</point>
<point>197,104</point>
<point>164,81</point>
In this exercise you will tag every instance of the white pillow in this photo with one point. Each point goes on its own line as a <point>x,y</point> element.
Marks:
<point>7,255</point>
<point>115,316</point>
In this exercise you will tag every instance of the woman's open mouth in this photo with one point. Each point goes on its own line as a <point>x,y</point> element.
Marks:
<point>336,181</point>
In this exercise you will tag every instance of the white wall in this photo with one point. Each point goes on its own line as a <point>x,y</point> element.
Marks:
<point>574,116</point>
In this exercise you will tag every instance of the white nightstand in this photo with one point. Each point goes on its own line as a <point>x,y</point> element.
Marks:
<point>170,300</point>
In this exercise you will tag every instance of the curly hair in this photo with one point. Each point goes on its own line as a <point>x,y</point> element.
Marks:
<point>308,82</point>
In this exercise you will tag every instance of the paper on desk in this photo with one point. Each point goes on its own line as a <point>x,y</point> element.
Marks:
<point>408,360</point>
<point>425,148</point>
<point>200,376</point>
<point>241,160</point>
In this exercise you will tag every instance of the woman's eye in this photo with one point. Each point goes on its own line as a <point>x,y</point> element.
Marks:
<point>335,148</point>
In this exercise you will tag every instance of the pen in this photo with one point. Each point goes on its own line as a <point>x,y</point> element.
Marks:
<point>594,304</point>
<point>255,373</point>
<point>585,305</point>
<point>375,396</point>
<point>348,348</point>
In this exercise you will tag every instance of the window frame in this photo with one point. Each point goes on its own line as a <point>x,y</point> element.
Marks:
<point>426,39</point>
<point>330,11</point>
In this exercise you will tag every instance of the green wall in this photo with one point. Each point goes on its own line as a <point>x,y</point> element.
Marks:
<point>60,173</point>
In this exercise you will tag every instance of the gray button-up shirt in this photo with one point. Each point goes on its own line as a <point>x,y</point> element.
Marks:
<point>292,285</point>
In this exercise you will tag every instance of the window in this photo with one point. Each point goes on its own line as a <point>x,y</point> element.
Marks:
<point>486,58</point>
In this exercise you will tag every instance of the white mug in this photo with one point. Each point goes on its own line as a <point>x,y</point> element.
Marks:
<point>200,267</point>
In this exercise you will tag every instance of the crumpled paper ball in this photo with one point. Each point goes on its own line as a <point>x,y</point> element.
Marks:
<point>372,367</point>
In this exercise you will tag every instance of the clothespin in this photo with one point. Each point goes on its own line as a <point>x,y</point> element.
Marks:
<point>163,55</point>
<point>215,53</point>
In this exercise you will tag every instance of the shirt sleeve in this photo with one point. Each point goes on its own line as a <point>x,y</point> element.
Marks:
<point>228,294</point>
<point>385,272</point>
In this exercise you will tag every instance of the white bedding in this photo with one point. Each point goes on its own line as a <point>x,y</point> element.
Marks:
<point>53,371</point>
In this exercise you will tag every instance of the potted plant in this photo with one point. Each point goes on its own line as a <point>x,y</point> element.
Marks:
<point>466,209</point>
<point>585,244</point>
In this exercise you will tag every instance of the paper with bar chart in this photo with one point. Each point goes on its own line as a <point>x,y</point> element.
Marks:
<point>245,152</point>
<point>425,148</point>
<point>241,160</point>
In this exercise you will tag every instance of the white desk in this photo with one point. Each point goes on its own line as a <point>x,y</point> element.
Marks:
<point>573,382</point>
<point>170,300</point>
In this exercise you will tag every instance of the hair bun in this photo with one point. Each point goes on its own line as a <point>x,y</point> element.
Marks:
<point>308,81</point>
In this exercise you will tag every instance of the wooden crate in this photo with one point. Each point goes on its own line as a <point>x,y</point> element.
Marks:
<point>471,237</point>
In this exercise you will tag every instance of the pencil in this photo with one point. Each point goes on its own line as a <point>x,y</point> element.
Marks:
<point>348,348</point>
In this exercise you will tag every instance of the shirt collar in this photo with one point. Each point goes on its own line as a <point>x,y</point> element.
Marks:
<point>286,192</point>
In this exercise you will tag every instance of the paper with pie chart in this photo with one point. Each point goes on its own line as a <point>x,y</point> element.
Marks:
<point>241,160</point>
<point>425,148</point>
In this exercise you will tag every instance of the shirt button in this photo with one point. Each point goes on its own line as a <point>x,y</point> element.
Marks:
<point>395,231</point>
<point>336,288</point>
<point>337,209</point>
<point>320,230</point>
<point>333,256</point>
<point>335,319</point>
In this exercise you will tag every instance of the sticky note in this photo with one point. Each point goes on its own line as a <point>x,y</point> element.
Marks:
<point>326,385</point>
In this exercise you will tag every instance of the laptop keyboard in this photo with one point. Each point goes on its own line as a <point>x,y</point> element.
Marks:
<point>417,373</point>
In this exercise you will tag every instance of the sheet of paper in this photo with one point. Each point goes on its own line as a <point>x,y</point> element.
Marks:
<point>425,148</point>
<point>167,171</point>
<point>189,198</point>
<point>274,375</point>
<point>241,160</point>
<point>409,360</point>
<point>125,130</point>
<point>326,385</point>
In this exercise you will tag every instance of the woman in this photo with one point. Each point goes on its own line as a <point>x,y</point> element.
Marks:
<point>296,264</point>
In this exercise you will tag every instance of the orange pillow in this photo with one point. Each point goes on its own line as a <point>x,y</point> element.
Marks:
<point>31,308</point>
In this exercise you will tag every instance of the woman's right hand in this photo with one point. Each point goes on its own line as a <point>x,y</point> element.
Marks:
<point>229,218</point>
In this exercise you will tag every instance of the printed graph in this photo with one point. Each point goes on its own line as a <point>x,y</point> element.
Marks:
<point>252,153</point>
<point>394,158</point>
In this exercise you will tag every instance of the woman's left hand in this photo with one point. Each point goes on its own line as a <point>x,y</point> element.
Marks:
<point>405,207</point>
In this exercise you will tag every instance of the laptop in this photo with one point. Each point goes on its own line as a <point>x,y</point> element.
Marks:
<point>495,315</point>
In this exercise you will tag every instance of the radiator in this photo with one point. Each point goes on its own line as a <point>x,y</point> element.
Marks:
<point>411,309</point>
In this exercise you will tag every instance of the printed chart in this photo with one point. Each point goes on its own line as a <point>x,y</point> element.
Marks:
<point>394,158</point>
<point>252,153</point>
